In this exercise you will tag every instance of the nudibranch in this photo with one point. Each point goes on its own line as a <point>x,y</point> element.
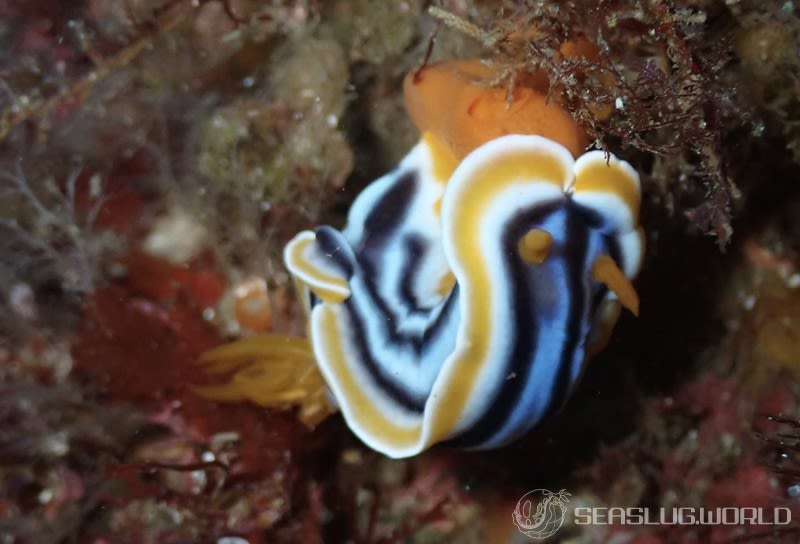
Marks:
<point>466,290</point>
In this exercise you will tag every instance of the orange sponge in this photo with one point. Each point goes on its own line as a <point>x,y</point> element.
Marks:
<point>452,101</point>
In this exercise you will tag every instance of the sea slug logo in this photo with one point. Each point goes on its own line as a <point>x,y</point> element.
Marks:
<point>540,513</point>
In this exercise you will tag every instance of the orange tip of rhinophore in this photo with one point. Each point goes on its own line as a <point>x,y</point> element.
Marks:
<point>453,101</point>
<point>606,271</point>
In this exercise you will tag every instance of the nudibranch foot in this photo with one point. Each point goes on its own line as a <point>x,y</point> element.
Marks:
<point>270,370</point>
